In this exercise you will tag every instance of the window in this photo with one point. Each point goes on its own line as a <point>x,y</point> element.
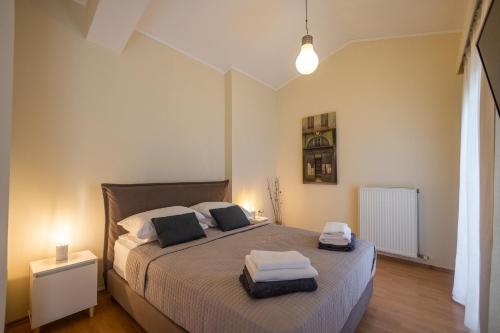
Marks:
<point>324,120</point>
<point>310,122</point>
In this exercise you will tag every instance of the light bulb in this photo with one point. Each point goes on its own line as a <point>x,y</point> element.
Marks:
<point>307,60</point>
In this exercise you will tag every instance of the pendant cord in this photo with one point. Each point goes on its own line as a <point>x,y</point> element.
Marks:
<point>307,28</point>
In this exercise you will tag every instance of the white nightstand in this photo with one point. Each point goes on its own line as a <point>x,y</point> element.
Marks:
<point>258,219</point>
<point>59,289</point>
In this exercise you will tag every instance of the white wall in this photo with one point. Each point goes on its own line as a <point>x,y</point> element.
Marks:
<point>6,69</point>
<point>252,122</point>
<point>398,124</point>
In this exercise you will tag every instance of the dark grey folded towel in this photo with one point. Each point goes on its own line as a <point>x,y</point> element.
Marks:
<point>341,248</point>
<point>275,288</point>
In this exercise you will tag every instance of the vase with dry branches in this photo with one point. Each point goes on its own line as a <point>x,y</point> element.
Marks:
<point>274,190</point>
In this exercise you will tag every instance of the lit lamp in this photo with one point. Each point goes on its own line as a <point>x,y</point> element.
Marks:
<point>249,208</point>
<point>307,60</point>
<point>62,245</point>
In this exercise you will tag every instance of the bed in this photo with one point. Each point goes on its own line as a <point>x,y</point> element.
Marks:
<point>194,286</point>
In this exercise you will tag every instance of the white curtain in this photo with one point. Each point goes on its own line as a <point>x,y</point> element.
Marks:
<point>466,286</point>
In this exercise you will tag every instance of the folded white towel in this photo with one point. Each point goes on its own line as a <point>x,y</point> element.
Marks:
<point>278,274</point>
<point>336,228</point>
<point>334,241</point>
<point>339,238</point>
<point>268,260</point>
<point>336,233</point>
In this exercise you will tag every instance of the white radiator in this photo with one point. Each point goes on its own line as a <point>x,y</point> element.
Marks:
<point>389,218</point>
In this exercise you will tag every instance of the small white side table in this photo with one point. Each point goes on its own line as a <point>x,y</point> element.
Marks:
<point>59,289</point>
<point>258,219</point>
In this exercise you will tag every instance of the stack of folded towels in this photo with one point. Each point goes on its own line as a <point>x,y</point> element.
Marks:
<point>337,236</point>
<point>271,273</point>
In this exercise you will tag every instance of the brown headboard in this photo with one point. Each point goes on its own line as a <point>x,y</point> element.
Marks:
<point>123,200</point>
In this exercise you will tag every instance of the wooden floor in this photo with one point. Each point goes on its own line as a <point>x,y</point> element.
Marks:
<point>406,298</point>
<point>412,298</point>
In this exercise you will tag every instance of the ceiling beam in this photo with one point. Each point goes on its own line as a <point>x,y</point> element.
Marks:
<point>112,22</point>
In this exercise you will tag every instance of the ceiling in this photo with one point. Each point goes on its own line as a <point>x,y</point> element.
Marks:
<point>262,37</point>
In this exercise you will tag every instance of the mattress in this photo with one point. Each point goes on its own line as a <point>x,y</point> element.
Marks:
<point>196,283</point>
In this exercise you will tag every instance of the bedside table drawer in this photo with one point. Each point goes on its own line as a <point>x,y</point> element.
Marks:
<point>56,294</point>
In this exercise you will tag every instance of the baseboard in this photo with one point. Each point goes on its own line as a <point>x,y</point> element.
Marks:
<point>16,322</point>
<point>417,262</point>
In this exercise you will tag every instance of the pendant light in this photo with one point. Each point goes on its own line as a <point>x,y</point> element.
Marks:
<point>307,60</point>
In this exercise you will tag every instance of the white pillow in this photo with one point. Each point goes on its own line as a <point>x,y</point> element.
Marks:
<point>209,222</point>
<point>140,225</point>
<point>204,208</point>
<point>133,241</point>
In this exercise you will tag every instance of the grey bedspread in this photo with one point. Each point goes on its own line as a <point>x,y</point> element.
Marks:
<point>196,283</point>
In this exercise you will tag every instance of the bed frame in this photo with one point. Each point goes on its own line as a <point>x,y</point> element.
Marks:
<point>123,200</point>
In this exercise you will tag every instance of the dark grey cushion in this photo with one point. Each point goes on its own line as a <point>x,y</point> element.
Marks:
<point>229,218</point>
<point>177,229</point>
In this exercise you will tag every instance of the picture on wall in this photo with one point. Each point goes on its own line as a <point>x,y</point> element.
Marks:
<point>319,149</point>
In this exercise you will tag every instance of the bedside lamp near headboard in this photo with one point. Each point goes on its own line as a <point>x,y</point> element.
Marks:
<point>62,244</point>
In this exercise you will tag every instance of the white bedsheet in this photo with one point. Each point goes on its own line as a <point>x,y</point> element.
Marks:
<point>122,249</point>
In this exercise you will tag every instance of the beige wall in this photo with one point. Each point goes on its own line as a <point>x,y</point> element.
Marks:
<point>252,150</point>
<point>84,115</point>
<point>398,119</point>
<point>6,69</point>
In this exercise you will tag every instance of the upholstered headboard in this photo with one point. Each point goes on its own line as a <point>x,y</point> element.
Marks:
<point>123,200</point>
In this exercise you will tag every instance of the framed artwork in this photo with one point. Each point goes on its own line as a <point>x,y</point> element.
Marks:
<point>319,149</point>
